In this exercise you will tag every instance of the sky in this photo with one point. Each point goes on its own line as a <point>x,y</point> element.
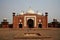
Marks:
<point>7,7</point>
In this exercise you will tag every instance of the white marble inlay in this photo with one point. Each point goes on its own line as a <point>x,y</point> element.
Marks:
<point>29,17</point>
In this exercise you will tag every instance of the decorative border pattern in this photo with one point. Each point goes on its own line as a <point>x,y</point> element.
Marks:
<point>29,17</point>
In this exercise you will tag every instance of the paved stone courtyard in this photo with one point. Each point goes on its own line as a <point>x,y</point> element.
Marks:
<point>30,34</point>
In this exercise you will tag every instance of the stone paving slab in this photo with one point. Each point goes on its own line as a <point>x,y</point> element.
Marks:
<point>19,34</point>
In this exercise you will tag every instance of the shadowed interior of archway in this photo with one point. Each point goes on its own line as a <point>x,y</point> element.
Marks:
<point>30,23</point>
<point>20,25</point>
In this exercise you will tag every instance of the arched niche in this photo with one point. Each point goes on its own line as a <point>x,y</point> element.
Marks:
<point>30,23</point>
<point>20,25</point>
<point>39,25</point>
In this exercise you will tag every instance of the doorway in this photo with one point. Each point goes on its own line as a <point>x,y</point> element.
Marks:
<point>40,25</point>
<point>30,23</point>
<point>20,25</point>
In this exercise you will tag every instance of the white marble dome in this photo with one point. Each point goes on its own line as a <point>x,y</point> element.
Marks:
<point>4,18</point>
<point>22,13</point>
<point>39,13</point>
<point>30,11</point>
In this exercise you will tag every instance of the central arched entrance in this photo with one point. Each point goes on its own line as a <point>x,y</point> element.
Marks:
<point>30,23</point>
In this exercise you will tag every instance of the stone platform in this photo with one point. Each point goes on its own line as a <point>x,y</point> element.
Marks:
<point>29,33</point>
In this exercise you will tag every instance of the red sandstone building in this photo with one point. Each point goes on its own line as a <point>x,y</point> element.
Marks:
<point>5,23</point>
<point>54,24</point>
<point>30,19</point>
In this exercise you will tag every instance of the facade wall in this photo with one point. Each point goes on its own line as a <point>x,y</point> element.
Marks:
<point>25,17</point>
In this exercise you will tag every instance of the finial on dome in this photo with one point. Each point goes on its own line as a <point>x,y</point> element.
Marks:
<point>30,10</point>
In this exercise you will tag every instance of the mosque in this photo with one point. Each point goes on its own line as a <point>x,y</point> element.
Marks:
<point>29,19</point>
<point>30,25</point>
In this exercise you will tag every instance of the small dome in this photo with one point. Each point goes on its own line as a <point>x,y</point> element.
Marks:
<point>30,11</point>
<point>22,13</point>
<point>4,18</point>
<point>39,13</point>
